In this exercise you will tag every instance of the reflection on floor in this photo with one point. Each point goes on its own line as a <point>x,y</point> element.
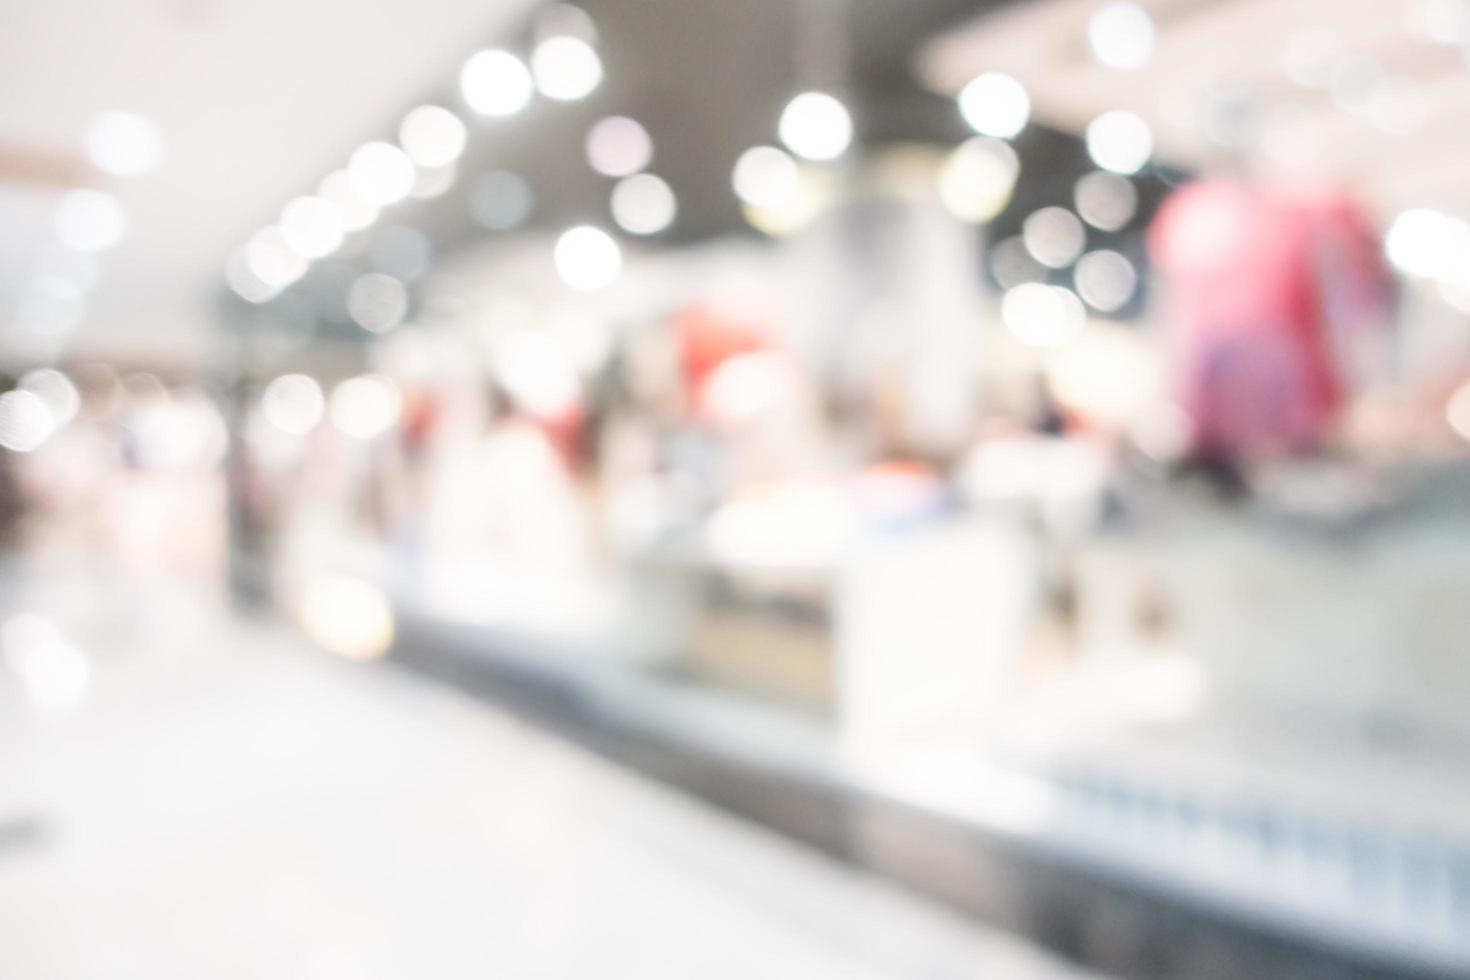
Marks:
<point>185,795</point>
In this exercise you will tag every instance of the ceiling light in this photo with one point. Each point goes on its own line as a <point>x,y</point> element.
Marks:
<point>312,227</point>
<point>587,258</point>
<point>495,83</point>
<point>293,403</point>
<point>1054,236</point>
<point>566,68</point>
<point>377,302</point>
<point>432,136</point>
<point>643,204</point>
<point>995,105</point>
<point>341,191</point>
<point>124,144</point>
<point>381,172</point>
<point>817,126</point>
<point>1106,280</point>
<point>618,146</point>
<point>1120,141</point>
<point>1121,35</point>
<point>765,177</point>
<point>1042,316</point>
<point>977,179</point>
<point>90,220</point>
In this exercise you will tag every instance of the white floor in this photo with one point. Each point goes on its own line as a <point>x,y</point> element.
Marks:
<point>224,802</point>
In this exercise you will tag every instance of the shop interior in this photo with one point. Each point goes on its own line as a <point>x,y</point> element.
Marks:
<point>1017,450</point>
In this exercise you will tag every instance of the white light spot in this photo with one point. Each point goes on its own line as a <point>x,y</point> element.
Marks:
<point>1012,265</point>
<point>365,407</point>
<point>1106,201</point>
<point>643,204</point>
<point>587,258</point>
<point>377,302</point>
<point>432,136</point>
<point>90,220</point>
<point>381,173</point>
<point>56,390</point>
<point>431,182</point>
<point>817,126</point>
<point>124,144</point>
<point>1457,411</point>
<point>537,372</point>
<point>1120,141</point>
<point>995,105</point>
<point>346,616</point>
<point>495,83</point>
<point>1042,316</point>
<point>54,673</point>
<point>272,261</point>
<point>25,421</point>
<point>566,68</point>
<point>1121,35</point>
<point>1054,236</point>
<point>1429,244</point>
<point>618,146</point>
<point>765,177</point>
<point>312,227</point>
<point>1106,280</point>
<point>978,178</point>
<point>293,403</point>
<point>341,192</point>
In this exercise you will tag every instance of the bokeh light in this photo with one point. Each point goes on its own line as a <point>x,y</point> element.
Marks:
<point>56,391</point>
<point>643,204</point>
<point>1120,141</point>
<point>1121,35</point>
<point>495,83</point>
<point>346,616</point>
<point>765,177</point>
<point>978,178</point>
<point>293,403</point>
<point>366,406</point>
<point>54,674</point>
<point>587,258</point>
<point>272,261</point>
<point>90,220</point>
<point>817,126</point>
<point>356,211</point>
<point>312,227</point>
<point>381,172</point>
<point>1012,265</point>
<point>432,136</point>
<point>566,68</point>
<point>1054,236</point>
<point>124,144</point>
<point>995,104</point>
<point>1106,280</point>
<point>25,421</point>
<point>1105,200</point>
<point>1043,316</point>
<point>377,302</point>
<point>619,147</point>
<point>1429,244</point>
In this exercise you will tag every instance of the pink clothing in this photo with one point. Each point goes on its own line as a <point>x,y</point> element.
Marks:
<point>1266,288</point>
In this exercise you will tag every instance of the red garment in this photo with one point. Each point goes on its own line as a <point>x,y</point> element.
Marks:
<point>1266,288</point>
<point>708,336</point>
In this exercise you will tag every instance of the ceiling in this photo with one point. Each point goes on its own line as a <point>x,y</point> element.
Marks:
<point>258,99</point>
<point>1355,91</point>
<point>254,100</point>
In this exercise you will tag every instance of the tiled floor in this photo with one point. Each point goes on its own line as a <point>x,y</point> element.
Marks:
<point>223,802</point>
